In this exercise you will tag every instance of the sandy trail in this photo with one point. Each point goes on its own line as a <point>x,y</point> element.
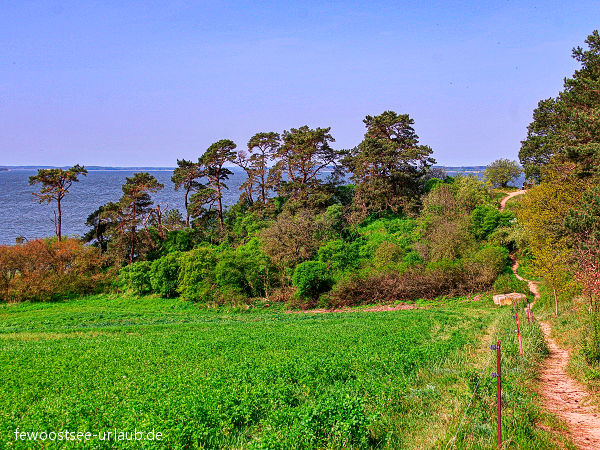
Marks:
<point>508,197</point>
<point>562,395</point>
<point>566,398</point>
<point>533,287</point>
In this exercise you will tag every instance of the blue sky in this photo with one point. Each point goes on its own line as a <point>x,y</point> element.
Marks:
<point>144,83</point>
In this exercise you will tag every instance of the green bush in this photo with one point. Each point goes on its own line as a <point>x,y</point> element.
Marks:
<point>311,279</point>
<point>492,256</point>
<point>591,340</point>
<point>339,256</point>
<point>387,256</point>
<point>400,231</point>
<point>507,283</point>
<point>135,278</point>
<point>179,241</point>
<point>486,218</point>
<point>197,274</point>
<point>412,258</point>
<point>245,270</point>
<point>164,274</point>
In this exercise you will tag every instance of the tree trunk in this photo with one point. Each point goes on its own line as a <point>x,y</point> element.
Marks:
<point>132,245</point>
<point>555,301</point>
<point>187,213</point>
<point>220,211</point>
<point>219,200</point>
<point>262,186</point>
<point>59,221</point>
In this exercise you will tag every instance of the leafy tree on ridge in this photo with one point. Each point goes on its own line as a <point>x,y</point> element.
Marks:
<point>501,172</point>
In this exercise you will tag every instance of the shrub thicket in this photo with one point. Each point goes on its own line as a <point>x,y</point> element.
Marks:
<point>311,279</point>
<point>164,274</point>
<point>443,278</point>
<point>486,218</point>
<point>245,270</point>
<point>507,283</point>
<point>49,270</point>
<point>197,274</point>
<point>135,278</point>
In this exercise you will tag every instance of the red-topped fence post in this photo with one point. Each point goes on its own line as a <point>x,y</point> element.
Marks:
<point>518,331</point>
<point>498,375</point>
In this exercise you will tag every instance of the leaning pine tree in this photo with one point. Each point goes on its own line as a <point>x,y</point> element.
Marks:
<point>214,160</point>
<point>55,185</point>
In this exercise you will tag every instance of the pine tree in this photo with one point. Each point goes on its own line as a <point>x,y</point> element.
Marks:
<point>55,185</point>
<point>214,159</point>
<point>389,166</point>
<point>566,130</point>
<point>135,204</point>
<point>186,177</point>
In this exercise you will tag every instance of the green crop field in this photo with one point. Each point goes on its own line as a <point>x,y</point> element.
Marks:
<point>260,378</point>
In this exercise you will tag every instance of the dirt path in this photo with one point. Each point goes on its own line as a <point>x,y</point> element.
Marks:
<point>563,396</point>
<point>533,287</point>
<point>508,197</point>
<point>567,399</point>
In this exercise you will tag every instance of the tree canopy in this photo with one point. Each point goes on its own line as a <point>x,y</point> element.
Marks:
<point>388,167</point>
<point>502,172</point>
<point>566,129</point>
<point>55,185</point>
<point>186,176</point>
<point>214,160</point>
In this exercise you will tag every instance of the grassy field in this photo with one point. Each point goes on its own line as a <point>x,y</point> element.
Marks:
<point>262,378</point>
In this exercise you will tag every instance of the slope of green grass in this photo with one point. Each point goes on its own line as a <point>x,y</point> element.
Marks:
<point>259,378</point>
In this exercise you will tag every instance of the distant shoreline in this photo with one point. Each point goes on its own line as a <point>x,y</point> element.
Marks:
<point>463,169</point>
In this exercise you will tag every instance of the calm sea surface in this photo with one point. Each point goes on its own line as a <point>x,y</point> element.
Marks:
<point>22,215</point>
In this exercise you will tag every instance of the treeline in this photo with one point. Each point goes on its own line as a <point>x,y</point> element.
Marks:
<point>560,217</point>
<point>401,230</point>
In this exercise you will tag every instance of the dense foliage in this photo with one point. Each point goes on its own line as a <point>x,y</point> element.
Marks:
<point>502,172</point>
<point>402,231</point>
<point>49,270</point>
<point>560,216</point>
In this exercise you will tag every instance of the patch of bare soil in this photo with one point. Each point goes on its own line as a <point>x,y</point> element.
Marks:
<point>508,197</point>
<point>567,399</point>
<point>376,308</point>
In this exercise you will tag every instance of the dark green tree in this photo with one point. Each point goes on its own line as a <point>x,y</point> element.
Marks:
<point>100,223</point>
<point>388,167</point>
<point>304,155</point>
<point>542,139</point>
<point>566,130</point>
<point>244,160</point>
<point>186,177</point>
<point>213,160</point>
<point>55,185</point>
<point>262,148</point>
<point>135,205</point>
